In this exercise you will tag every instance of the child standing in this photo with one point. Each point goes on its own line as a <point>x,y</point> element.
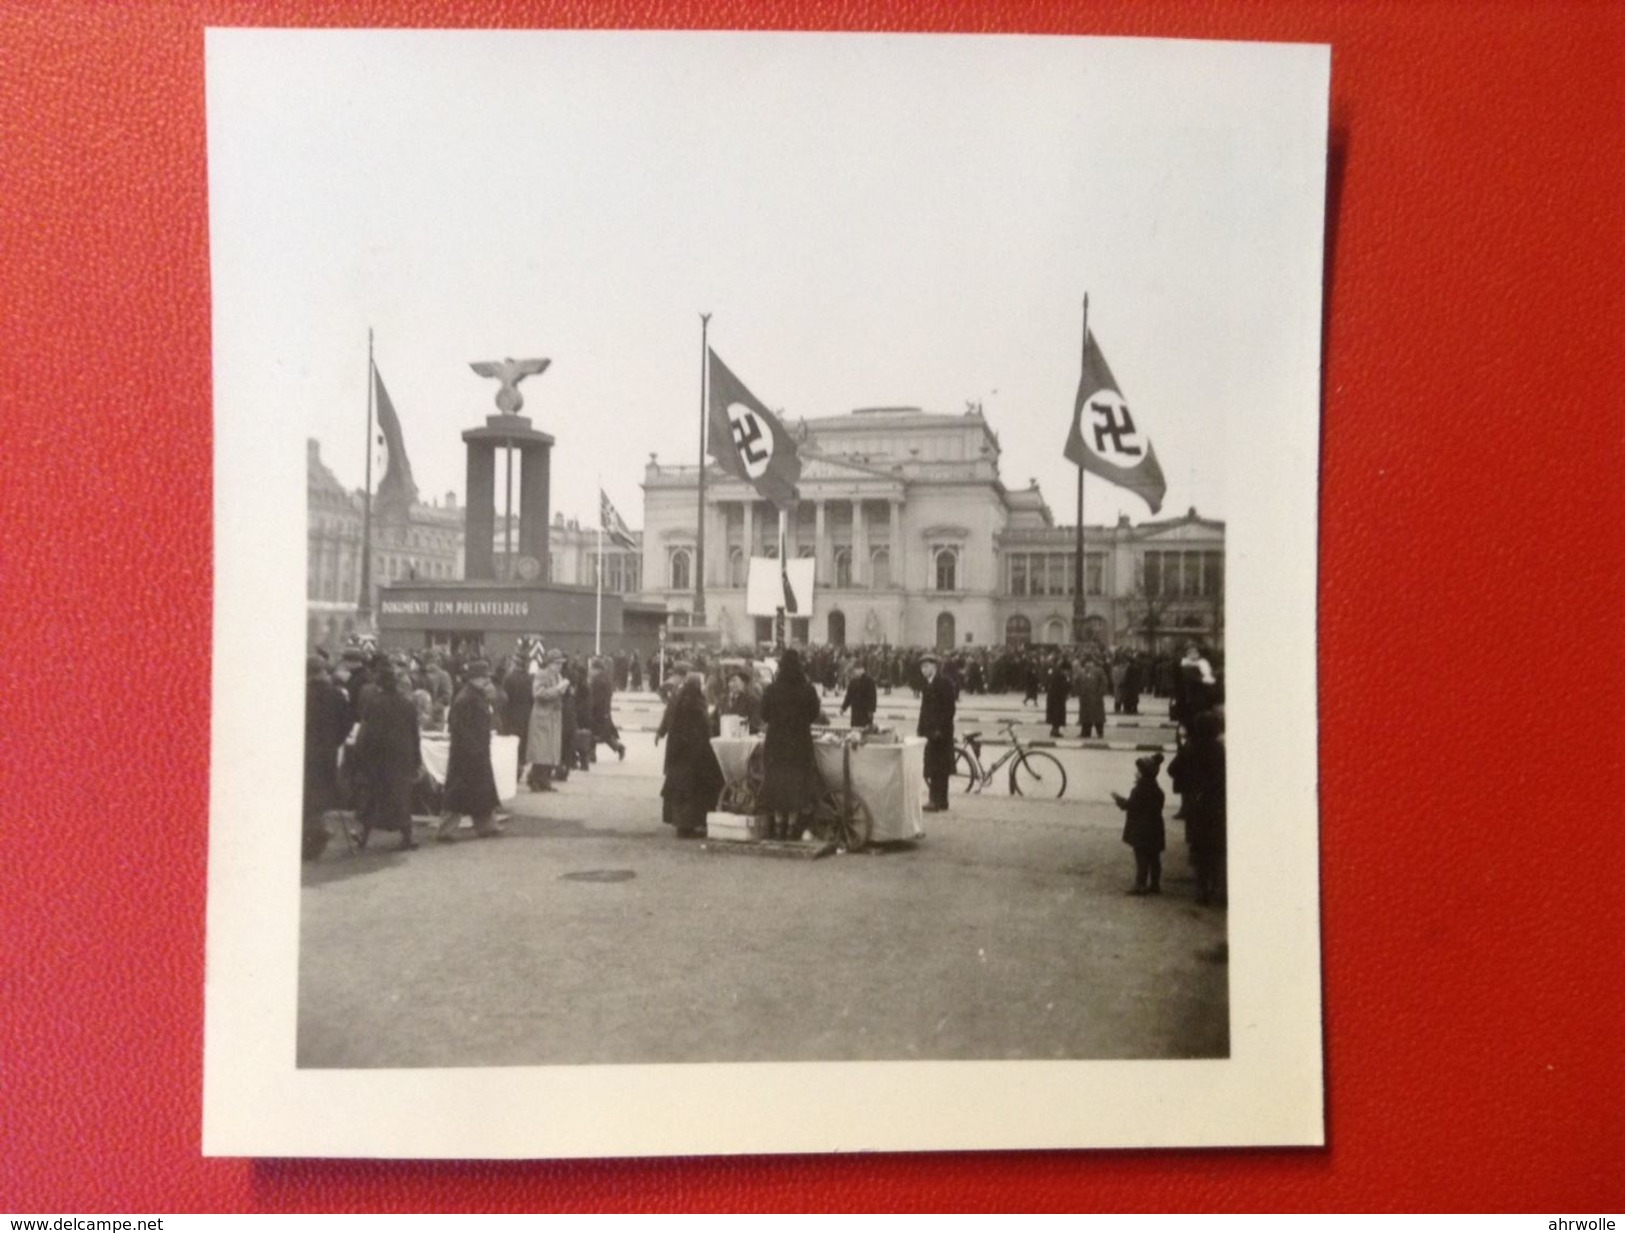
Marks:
<point>1142,829</point>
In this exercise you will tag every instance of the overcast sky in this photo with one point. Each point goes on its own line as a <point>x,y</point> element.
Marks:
<point>871,220</point>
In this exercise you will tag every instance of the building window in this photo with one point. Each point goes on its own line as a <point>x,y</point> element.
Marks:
<point>1018,574</point>
<point>1094,570</point>
<point>880,567</point>
<point>764,629</point>
<point>680,580</point>
<point>736,567</point>
<point>1151,576</point>
<point>843,568</point>
<point>837,628</point>
<point>945,631</point>
<point>1055,631</point>
<point>1018,631</point>
<point>1212,574</point>
<point>947,563</point>
<point>800,630</point>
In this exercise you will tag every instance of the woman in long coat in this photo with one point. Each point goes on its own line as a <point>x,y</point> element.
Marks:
<point>693,776</point>
<point>1060,688</point>
<point>471,785</point>
<point>1090,685</point>
<point>545,748</point>
<point>790,780</point>
<point>387,757</point>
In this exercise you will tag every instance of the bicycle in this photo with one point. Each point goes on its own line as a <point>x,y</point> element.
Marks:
<point>1032,773</point>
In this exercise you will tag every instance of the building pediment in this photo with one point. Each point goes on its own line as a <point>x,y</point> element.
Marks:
<point>1185,531</point>
<point>822,469</point>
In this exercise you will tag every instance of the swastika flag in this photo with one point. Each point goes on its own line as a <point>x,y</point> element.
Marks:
<point>1105,439</point>
<point>747,439</point>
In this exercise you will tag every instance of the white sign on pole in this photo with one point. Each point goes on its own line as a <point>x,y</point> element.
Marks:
<point>765,587</point>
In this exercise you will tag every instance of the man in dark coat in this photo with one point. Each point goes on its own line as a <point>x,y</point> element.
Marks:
<point>387,758</point>
<point>516,688</point>
<point>1060,688</point>
<point>860,697</point>
<point>601,692</point>
<point>937,698</point>
<point>327,723</point>
<point>1198,775</point>
<point>471,786</point>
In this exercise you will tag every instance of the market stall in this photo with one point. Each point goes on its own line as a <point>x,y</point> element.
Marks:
<point>887,778</point>
<point>436,749</point>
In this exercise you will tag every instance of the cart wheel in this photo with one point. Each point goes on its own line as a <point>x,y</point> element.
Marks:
<point>738,798</point>
<point>850,832</point>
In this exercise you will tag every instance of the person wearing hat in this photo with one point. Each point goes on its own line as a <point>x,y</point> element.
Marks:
<point>937,698</point>
<point>471,785</point>
<point>544,749</point>
<point>327,723</point>
<point>1142,828</point>
<point>387,758</point>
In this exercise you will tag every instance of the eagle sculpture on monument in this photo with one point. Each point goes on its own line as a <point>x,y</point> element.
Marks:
<point>510,372</point>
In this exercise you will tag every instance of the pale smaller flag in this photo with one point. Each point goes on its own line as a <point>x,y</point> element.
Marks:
<point>609,518</point>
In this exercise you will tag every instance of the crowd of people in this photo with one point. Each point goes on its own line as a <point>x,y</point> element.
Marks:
<point>374,706</point>
<point>366,711</point>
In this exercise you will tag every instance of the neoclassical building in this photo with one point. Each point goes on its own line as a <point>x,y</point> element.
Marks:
<point>429,545</point>
<point>918,542</point>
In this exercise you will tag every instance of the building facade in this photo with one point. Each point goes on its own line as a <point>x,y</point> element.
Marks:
<point>429,545</point>
<point>918,542</point>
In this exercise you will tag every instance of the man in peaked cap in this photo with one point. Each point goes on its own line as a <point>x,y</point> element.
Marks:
<point>936,725</point>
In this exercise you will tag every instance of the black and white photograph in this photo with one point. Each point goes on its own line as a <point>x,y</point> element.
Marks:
<point>802,553</point>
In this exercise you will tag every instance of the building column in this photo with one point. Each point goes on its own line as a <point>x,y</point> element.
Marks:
<point>749,506</point>
<point>821,554</point>
<point>894,550</point>
<point>860,545</point>
<point>791,547</point>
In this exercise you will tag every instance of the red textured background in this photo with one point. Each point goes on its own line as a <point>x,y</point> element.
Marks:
<point>1470,614</point>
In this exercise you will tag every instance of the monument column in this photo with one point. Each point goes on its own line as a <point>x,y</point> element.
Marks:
<point>480,513</point>
<point>535,461</point>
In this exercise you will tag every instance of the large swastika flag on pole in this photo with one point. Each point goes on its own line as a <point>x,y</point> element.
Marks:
<point>1105,439</point>
<point>747,439</point>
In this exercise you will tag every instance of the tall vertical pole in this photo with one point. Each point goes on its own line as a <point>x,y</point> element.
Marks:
<point>364,604</point>
<point>699,536</point>
<point>598,620</point>
<point>781,631</point>
<point>1080,605</point>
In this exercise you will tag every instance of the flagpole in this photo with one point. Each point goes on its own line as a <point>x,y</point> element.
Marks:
<point>781,625</point>
<point>1080,607</point>
<point>598,621</point>
<point>364,605</point>
<point>699,535</point>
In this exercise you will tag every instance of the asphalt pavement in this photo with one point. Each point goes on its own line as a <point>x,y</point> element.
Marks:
<point>589,933</point>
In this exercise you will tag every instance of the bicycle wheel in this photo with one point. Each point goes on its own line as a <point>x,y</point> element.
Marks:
<point>964,776</point>
<point>1036,773</point>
